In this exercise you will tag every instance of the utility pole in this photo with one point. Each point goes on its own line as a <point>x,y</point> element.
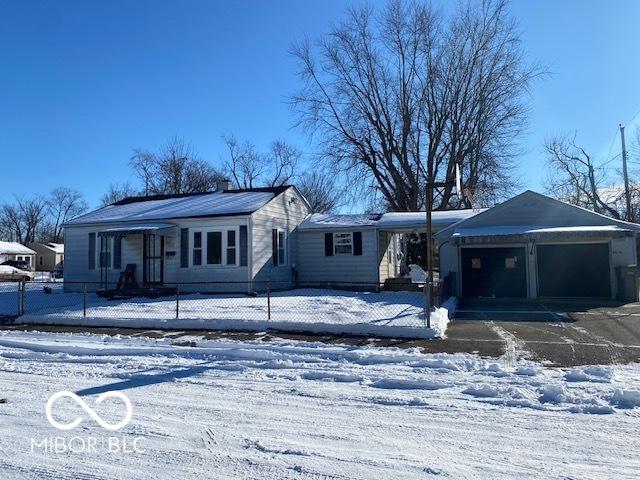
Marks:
<point>627,193</point>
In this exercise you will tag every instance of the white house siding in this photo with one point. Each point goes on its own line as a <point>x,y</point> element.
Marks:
<point>284,212</point>
<point>388,248</point>
<point>348,268</point>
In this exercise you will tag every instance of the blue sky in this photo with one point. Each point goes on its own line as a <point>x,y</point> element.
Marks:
<point>83,83</point>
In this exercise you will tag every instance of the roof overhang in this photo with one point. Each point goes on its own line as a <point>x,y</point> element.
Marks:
<point>523,234</point>
<point>139,228</point>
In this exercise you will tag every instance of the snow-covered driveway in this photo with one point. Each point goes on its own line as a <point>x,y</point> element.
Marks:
<point>274,410</point>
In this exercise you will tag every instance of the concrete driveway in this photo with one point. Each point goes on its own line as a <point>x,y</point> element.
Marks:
<point>559,332</point>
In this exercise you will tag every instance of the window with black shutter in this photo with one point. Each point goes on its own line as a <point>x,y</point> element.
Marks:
<point>357,243</point>
<point>117,252</point>
<point>243,245</point>
<point>92,251</point>
<point>328,244</point>
<point>184,248</point>
<point>274,246</point>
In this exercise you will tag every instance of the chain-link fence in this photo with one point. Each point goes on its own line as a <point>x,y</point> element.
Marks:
<point>336,307</point>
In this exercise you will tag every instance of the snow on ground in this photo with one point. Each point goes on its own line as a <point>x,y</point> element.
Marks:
<point>390,314</point>
<point>279,410</point>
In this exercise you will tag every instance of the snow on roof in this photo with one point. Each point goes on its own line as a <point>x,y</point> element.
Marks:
<point>14,248</point>
<point>439,218</point>
<point>323,221</point>
<point>532,230</point>
<point>56,247</point>
<point>387,221</point>
<point>215,204</point>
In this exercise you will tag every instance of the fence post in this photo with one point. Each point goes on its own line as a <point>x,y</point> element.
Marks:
<point>19,298</point>
<point>268,300</point>
<point>84,300</point>
<point>177,301</point>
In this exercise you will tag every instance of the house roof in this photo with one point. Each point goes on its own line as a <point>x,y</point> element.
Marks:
<point>192,205</point>
<point>439,218</point>
<point>387,221</point>
<point>591,222</point>
<point>14,248</point>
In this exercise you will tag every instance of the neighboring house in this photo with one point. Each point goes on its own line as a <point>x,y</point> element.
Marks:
<point>16,251</point>
<point>49,256</point>
<point>534,246</point>
<point>240,239</point>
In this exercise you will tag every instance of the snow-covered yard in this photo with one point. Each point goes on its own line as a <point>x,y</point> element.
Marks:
<point>274,410</point>
<point>390,314</point>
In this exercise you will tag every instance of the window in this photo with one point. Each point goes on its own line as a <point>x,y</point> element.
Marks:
<point>342,243</point>
<point>214,248</point>
<point>197,248</point>
<point>282,248</point>
<point>231,247</point>
<point>105,251</point>
<point>41,260</point>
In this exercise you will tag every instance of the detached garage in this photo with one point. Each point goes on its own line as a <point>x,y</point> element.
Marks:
<point>534,246</point>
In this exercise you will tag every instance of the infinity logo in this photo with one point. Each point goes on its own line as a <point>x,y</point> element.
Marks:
<point>89,410</point>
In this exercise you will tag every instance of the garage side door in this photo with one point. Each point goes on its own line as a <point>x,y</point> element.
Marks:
<point>574,270</point>
<point>494,272</point>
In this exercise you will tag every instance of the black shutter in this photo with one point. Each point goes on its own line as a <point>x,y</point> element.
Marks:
<point>243,245</point>
<point>184,248</point>
<point>274,246</point>
<point>328,244</point>
<point>117,252</point>
<point>357,243</point>
<point>92,251</point>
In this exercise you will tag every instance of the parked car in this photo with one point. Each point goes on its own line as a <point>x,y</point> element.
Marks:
<point>10,273</point>
<point>19,264</point>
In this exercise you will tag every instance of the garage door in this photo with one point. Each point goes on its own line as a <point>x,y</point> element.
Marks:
<point>574,270</point>
<point>494,272</point>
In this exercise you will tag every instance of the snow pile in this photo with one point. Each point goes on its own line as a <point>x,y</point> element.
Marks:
<point>385,314</point>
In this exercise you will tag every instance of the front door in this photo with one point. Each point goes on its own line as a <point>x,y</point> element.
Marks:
<point>153,259</point>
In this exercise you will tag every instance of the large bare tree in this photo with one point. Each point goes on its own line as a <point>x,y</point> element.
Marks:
<point>175,168</point>
<point>401,95</point>
<point>248,168</point>
<point>322,190</point>
<point>117,192</point>
<point>63,204</point>
<point>24,219</point>
<point>575,178</point>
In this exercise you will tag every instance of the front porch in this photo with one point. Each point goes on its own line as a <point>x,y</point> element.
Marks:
<point>133,260</point>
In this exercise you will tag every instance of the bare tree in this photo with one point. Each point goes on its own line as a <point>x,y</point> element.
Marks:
<point>398,97</point>
<point>249,168</point>
<point>574,178</point>
<point>322,191</point>
<point>116,192</point>
<point>24,219</point>
<point>62,204</point>
<point>176,168</point>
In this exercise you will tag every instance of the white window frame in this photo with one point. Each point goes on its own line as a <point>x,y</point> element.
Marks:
<point>337,244</point>
<point>282,248</point>
<point>224,244</point>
